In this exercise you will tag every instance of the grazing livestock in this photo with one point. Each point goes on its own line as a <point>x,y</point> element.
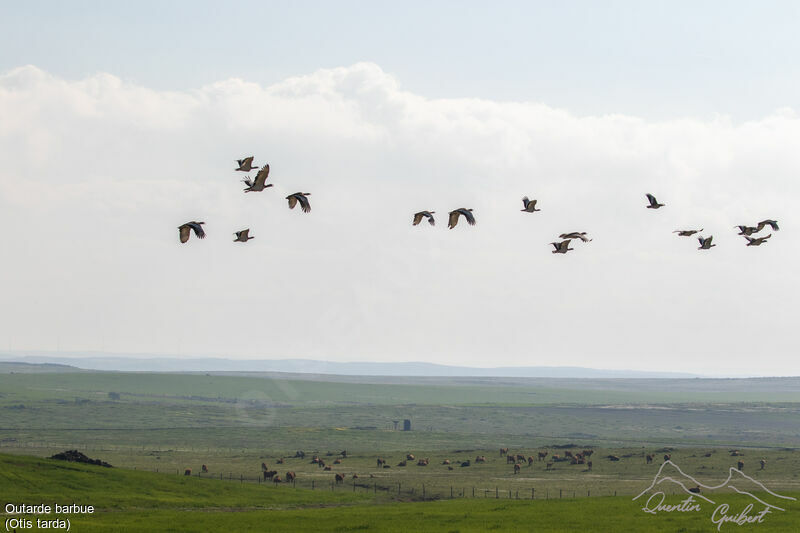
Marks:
<point>511,459</point>
<point>290,476</point>
<point>740,465</point>
<point>315,460</point>
<point>300,197</point>
<point>465,463</point>
<point>387,466</point>
<point>276,479</point>
<point>280,461</point>
<point>589,465</point>
<point>542,455</point>
<point>187,472</point>
<point>204,468</point>
<point>270,474</point>
<point>530,460</point>
<point>653,202</point>
<point>185,229</point>
<point>613,458</point>
<point>667,457</point>
<point>337,462</point>
<point>427,214</point>
<point>649,457</point>
<point>410,457</point>
<point>339,479</point>
<point>568,454</point>
<point>587,453</point>
<point>343,453</point>
<point>549,466</point>
<point>423,462</point>
<point>401,463</point>
<point>519,457</point>
<point>446,462</point>
<point>300,454</point>
<point>695,490</point>
<point>763,463</point>
<point>381,462</point>
<point>503,451</point>
<point>517,468</point>
<point>328,468</point>
<point>449,467</point>
<point>355,476</point>
<point>321,463</point>
<point>480,459</point>
<point>735,453</point>
<point>466,213</point>
<point>707,455</point>
<point>264,467</point>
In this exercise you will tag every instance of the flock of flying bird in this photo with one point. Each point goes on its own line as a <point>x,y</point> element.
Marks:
<point>258,184</point>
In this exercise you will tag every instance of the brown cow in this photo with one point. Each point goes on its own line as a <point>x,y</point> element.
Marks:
<point>740,465</point>
<point>763,463</point>
<point>204,468</point>
<point>517,467</point>
<point>423,462</point>
<point>519,457</point>
<point>328,468</point>
<point>446,462</point>
<point>401,463</point>
<point>339,479</point>
<point>337,462</point>
<point>381,462</point>
<point>409,457</point>
<point>503,451</point>
<point>276,479</point>
<point>510,459</point>
<point>530,460</point>
<point>187,472</point>
<point>480,459</point>
<point>542,455</point>
<point>290,476</point>
<point>649,458</point>
<point>587,453</point>
<point>735,453</point>
<point>280,461</point>
<point>355,476</point>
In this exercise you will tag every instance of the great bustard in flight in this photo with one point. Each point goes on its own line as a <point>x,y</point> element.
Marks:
<point>467,213</point>
<point>705,244</point>
<point>752,241</point>
<point>185,230</point>
<point>772,223</point>
<point>257,184</point>
<point>562,247</point>
<point>575,235</point>
<point>427,214</point>
<point>299,197</point>
<point>653,202</point>
<point>246,164</point>
<point>687,232</point>
<point>243,236</point>
<point>748,230</point>
<point>529,206</point>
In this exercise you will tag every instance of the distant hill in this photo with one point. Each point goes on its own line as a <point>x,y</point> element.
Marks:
<point>307,366</point>
<point>12,367</point>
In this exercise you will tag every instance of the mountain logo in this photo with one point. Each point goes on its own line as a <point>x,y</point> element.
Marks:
<point>700,496</point>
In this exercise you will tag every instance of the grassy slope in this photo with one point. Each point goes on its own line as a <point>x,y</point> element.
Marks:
<point>138,501</point>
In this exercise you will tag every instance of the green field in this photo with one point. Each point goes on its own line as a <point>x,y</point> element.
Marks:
<point>152,427</point>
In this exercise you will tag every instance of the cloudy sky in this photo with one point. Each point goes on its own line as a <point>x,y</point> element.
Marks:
<point>119,123</point>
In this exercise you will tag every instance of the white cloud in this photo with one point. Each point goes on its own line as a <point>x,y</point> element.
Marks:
<point>96,174</point>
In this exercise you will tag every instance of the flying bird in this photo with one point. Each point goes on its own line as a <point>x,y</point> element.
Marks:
<point>653,202</point>
<point>257,184</point>
<point>243,236</point>
<point>575,235</point>
<point>246,164</point>
<point>185,230</point>
<point>751,241</point>
<point>748,230</point>
<point>562,247</point>
<point>705,244</point>
<point>427,214</point>
<point>772,223</point>
<point>529,206</point>
<point>687,232</point>
<point>453,220</point>
<point>299,197</point>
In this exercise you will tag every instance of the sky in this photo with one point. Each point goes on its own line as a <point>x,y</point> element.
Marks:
<point>120,122</point>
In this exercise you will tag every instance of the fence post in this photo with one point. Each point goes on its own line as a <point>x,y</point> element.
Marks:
<point>559,493</point>
<point>423,491</point>
<point>451,492</point>
<point>531,493</point>
<point>496,493</point>
<point>312,484</point>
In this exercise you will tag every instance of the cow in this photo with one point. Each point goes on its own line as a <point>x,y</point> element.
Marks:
<point>465,463</point>
<point>276,479</point>
<point>321,463</point>
<point>343,453</point>
<point>410,457</point>
<point>517,467</point>
<point>613,458</point>
<point>740,465</point>
<point>315,460</point>
<point>187,472</point>
<point>549,466</point>
<point>519,458</point>
<point>280,461</point>
<point>401,463</point>
<point>423,462</point>
<point>510,459</point>
<point>763,463</point>
<point>381,462</point>
<point>589,465</point>
<point>264,467</point>
<point>707,455</point>
<point>530,460</point>
<point>696,489</point>
<point>300,454</point>
<point>290,476</point>
<point>449,467</point>
<point>339,479</point>
<point>503,451</point>
<point>446,462</point>
<point>355,476</point>
<point>587,453</point>
<point>735,453</point>
<point>204,468</point>
<point>542,455</point>
<point>480,459</point>
<point>269,474</point>
<point>667,457</point>
<point>337,462</point>
<point>649,458</point>
<point>568,454</point>
<point>386,466</point>
<point>328,468</point>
